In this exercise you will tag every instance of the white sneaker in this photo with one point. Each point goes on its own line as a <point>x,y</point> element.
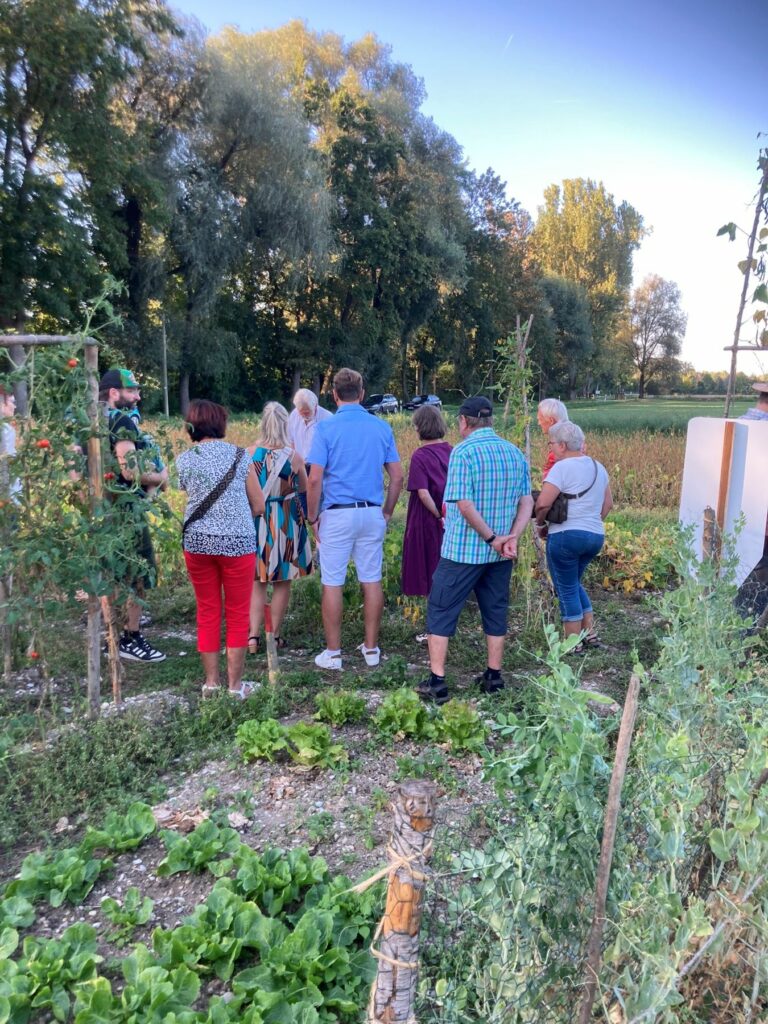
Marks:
<point>332,662</point>
<point>372,655</point>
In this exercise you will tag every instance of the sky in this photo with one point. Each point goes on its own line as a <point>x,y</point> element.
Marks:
<point>662,101</point>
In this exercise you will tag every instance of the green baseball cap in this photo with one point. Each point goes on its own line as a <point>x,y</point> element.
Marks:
<point>118,377</point>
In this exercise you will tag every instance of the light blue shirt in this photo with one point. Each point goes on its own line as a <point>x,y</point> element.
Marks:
<point>352,447</point>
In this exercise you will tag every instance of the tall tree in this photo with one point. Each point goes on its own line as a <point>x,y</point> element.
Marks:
<point>571,327</point>
<point>583,235</point>
<point>655,329</point>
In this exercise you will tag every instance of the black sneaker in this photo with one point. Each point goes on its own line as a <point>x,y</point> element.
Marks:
<point>488,685</point>
<point>133,647</point>
<point>430,691</point>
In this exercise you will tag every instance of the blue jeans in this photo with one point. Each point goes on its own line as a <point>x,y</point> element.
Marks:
<point>569,552</point>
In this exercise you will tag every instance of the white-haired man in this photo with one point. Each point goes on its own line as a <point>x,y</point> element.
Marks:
<point>305,416</point>
<point>550,411</point>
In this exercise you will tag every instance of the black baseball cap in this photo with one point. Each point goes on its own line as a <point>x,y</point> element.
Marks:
<point>118,377</point>
<point>478,406</point>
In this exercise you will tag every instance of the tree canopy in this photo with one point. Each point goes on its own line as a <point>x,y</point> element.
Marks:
<point>273,205</point>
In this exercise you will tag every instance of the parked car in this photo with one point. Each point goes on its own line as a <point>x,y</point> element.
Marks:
<point>418,400</point>
<point>379,404</point>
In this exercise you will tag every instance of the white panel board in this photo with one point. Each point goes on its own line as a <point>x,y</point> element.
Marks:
<point>748,488</point>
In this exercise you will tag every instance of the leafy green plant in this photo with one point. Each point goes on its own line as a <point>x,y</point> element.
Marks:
<point>339,706</point>
<point>201,849</point>
<point>403,713</point>
<point>460,726</point>
<point>47,971</point>
<point>261,739</point>
<point>276,878</point>
<point>393,672</point>
<point>67,874</point>
<point>16,912</point>
<point>431,763</point>
<point>310,746</point>
<point>122,832</point>
<point>135,910</point>
<point>319,827</point>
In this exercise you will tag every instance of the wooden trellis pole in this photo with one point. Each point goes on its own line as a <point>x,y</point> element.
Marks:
<point>393,992</point>
<point>95,483</point>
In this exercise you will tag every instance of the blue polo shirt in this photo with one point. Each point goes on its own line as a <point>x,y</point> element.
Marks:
<point>352,447</point>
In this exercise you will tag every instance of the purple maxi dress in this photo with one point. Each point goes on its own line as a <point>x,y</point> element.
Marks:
<point>423,532</point>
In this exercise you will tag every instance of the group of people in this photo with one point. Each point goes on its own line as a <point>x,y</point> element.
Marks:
<point>253,516</point>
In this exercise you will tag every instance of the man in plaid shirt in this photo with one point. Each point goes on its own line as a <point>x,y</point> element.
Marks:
<point>488,494</point>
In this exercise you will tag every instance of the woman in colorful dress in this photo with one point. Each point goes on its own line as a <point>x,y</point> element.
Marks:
<point>426,484</point>
<point>283,551</point>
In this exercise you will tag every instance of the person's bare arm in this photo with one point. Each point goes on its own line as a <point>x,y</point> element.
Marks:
<point>394,471</point>
<point>254,492</point>
<point>545,501</point>
<point>314,490</point>
<point>426,499</point>
<point>126,455</point>
<point>607,502</point>
<point>519,526</point>
<point>298,467</point>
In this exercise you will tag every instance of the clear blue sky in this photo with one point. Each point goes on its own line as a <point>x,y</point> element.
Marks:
<point>661,101</point>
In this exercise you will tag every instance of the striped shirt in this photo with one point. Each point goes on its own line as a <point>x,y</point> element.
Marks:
<point>492,474</point>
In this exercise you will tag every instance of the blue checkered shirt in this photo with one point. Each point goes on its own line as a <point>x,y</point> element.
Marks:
<point>493,474</point>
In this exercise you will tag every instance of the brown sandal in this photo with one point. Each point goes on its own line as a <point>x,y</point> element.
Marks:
<point>254,645</point>
<point>280,642</point>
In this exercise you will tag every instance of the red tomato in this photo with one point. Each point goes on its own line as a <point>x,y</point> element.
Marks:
<point>109,476</point>
<point>71,363</point>
<point>34,655</point>
<point>44,443</point>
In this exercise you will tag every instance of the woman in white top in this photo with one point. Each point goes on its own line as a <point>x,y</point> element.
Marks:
<point>573,544</point>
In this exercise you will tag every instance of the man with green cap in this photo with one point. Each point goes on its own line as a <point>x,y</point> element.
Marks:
<point>119,392</point>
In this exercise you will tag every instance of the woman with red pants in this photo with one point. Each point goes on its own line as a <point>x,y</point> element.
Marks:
<point>219,540</point>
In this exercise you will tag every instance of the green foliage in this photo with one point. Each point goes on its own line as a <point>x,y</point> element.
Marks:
<point>403,713</point>
<point>122,831</point>
<point>259,740</point>
<point>201,849</point>
<point>339,707</point>
<point>459,725</point>
<point>43,977</point>
<point>134,911</point>
<point>67,874</point>
<point>308,745</point>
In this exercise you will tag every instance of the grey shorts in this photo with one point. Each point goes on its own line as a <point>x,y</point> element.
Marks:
<point>452,584</point>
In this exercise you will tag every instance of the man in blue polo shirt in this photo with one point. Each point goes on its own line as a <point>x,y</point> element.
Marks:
<point>347,456</point>
<point>488,494</point>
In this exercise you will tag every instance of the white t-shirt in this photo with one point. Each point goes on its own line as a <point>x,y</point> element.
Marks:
<point>574,475</point>
<point>300,433</point>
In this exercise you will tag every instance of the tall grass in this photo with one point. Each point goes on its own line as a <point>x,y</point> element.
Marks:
<point>645,466</point>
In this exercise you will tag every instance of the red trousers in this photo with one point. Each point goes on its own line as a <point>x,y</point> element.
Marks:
<point>210,574</point>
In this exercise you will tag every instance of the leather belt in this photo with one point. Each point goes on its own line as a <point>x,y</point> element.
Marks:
<point>357,504</point>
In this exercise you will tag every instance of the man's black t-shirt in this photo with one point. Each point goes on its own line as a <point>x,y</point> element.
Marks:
<point>122,427</point>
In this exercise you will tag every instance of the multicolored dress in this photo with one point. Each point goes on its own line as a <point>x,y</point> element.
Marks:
<point>283,551</point>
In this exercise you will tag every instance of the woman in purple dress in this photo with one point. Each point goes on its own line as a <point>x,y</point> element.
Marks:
<point>426,483</point>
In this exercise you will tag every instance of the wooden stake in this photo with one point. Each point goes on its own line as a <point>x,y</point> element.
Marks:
<point>725,474</point>
<point>95,492</point>
<point>394,991</point>
<point>606,850</point>
<point>273,663</point>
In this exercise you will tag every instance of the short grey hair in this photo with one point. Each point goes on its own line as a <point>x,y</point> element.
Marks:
<point>305,397</point>
<point>553,409</point>
<point>567,432</point>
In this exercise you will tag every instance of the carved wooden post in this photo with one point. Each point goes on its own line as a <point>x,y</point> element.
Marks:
<point>394,990</point>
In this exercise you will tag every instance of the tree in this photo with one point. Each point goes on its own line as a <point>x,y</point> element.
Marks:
<point>569,312</point>
<point>655,329</point>
<point>582,235</point>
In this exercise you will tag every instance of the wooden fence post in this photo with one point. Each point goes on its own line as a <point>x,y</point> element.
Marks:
<point>394,991</point>
<point>606,850</point>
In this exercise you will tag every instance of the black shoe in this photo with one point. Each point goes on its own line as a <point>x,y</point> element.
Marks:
<point>430,691</point>
<point>133,647</point>
<point>488,684</point>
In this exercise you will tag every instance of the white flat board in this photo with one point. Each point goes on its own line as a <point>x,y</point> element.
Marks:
<point>747,491</point>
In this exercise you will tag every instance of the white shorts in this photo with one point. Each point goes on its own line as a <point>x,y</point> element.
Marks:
<point>351,534</point>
